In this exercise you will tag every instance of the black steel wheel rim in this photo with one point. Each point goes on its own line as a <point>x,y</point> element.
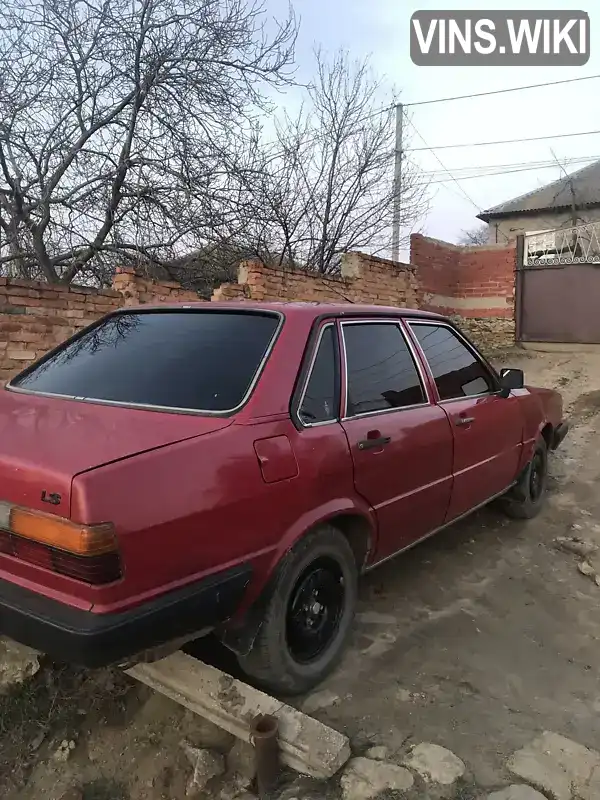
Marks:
<point>314,610</point>
<point>536,477</point>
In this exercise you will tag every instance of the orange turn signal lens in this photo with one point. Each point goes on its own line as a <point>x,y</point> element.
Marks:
<point>82,540</point>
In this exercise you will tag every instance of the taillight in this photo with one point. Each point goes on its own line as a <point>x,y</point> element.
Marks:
<point>87,553</point>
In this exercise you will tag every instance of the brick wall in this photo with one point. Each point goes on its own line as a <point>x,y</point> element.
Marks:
<point>365,279</point>
<point>35,317</point>
<point>474,285</point>
<point>133,290</point>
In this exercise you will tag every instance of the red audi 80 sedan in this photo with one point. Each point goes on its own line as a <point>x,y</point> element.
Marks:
<point>234,467</point>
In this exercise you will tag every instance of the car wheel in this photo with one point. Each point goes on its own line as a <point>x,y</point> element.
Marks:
<point>525,500</point>
<point>309,616</point>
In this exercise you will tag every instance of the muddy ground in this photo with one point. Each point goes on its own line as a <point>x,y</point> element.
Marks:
<point>477,640</point>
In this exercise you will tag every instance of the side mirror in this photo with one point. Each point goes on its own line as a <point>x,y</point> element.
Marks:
<point>511,379</point>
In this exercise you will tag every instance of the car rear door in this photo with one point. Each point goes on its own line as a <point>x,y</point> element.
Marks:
<point>487,428</point>
<point>401,442</point>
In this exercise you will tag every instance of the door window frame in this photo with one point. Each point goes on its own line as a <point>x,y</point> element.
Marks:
<point>422,376</point>
<point>306,371</point>
<point>493,375</point>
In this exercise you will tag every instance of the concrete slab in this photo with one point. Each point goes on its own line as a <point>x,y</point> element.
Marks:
<point>436,764</point>
<point>17,664</point>
<point>307,746</point>
<point>365,778</point>
<point>560,767</point>
<point>517,792</point>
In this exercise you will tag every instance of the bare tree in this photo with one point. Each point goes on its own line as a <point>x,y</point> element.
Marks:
<point>326,187</point>
<point>578,238</point>
<point>122,125</point>
<point>475,236</point>
<point>573,199</point>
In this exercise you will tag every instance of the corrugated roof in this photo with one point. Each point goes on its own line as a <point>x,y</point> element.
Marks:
<point>582,186</point>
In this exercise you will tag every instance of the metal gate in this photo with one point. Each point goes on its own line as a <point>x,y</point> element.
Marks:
<point>558,286</point>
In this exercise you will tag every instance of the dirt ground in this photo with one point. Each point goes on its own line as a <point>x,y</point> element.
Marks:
<point>476,640</point>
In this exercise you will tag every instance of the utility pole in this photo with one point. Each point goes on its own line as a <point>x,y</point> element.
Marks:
<point>397,183</point>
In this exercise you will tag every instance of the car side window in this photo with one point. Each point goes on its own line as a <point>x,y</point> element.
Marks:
<point>381,371</point>
<point>320,403</point>
<point>457,371</point>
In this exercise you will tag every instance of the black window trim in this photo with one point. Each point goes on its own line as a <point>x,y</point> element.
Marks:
<point>148,406</point>
<point>397,321</point>
<point>297,405</point>
<point>470,347</point>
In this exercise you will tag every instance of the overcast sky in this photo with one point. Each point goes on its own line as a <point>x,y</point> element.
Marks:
<point>380,28</point>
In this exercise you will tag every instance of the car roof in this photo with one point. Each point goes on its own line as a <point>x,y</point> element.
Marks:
<point>297,308</point>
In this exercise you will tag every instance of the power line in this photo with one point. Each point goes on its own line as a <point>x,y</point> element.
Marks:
<point>387,109</point>
<point>501,172</point>
<point>503,141</point>
<point>483,168</point>
<point>443,166</point>
<point>501,91</point>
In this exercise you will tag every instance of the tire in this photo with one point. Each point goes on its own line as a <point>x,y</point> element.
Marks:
<point>309,616</point>
<point>526,499</point>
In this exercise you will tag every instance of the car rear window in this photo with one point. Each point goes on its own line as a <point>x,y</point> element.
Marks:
<point>188,360</point>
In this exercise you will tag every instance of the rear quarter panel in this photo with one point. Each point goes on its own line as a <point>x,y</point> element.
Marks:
<point>200,506</point>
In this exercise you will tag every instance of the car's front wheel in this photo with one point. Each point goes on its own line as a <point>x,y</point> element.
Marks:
<point>309,615</point>
<point>526,498</point>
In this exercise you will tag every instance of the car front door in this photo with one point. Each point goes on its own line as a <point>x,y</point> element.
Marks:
<point>487,428</point>
<point>401,442</point>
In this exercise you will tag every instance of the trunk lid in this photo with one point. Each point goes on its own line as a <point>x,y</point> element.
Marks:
<point>45,442</point>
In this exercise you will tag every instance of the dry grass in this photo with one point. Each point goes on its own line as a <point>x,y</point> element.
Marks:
<point>57,703</point>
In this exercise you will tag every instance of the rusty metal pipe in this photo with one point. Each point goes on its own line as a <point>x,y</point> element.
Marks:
<point>264,731</point>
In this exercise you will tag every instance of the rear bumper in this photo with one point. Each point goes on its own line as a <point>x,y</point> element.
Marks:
<point>560,433</point>
<point>95,640</point>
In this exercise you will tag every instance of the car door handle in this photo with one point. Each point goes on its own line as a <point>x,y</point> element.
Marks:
<point>368,444</point>
<point>464,420</point>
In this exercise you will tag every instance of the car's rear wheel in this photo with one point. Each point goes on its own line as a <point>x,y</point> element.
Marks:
<point>526,499</point>
<point>309,615</point>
